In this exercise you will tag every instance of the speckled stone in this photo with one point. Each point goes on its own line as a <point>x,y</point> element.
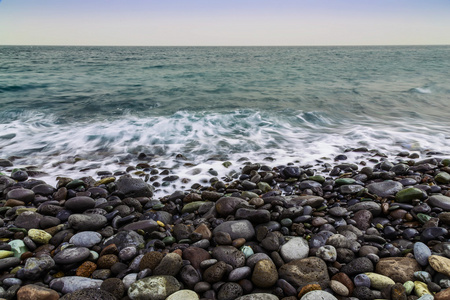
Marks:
<point>316,295</point>
<point>303,271</point>
<point>154,287</point>
<point>36,292</point>
<point>264,274</point>
<point>440,264</point>
<point>399,269</point>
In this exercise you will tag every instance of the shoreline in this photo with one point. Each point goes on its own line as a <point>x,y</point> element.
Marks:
<point>361,229</point>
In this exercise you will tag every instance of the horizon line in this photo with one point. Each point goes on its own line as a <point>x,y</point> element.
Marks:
<point>331,45</point>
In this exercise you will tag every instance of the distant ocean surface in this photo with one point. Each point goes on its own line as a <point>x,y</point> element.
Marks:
<point>76,110</point>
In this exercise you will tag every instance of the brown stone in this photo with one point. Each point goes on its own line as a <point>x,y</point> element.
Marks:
<point>308,288</point>
<point>110,249</point>
<point>36,292</point>
<point>305,271</point>
<point>399,269</point>
<point>443,295</point>
<point>345,280</point>
<point>264,274</point>
<point>440,264</point>
<point>150,260</point>
<point>196,255</point>
<point>14,202</point>
<point>204,231</point>
<point>238,243</point>
<point>107,261</point>
<point>215,272</point>
<point>86,269</point>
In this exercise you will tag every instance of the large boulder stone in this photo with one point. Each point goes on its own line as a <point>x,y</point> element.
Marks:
<point>133,187</point>
<point>304,271</point>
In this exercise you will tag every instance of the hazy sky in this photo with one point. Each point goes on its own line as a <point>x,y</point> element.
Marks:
<point>230,22</point>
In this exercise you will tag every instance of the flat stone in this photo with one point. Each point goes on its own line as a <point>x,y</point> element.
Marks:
<point>258,296</point>
<point>39,236</point>
<point>36,292</point>
<point>440,201</point>
<point>9,262</point>
<point>442,177</point>
<point>21,194</point>
<point>85,222</point>
<point>409,194</point>
<point>86,239</point>
<point>145,225</point>
<point>399,269</point>
<point>385,188</point>
<point>421,253</point>
<point>339,288</point>
<point>70,284</point>
<point>71,255</point>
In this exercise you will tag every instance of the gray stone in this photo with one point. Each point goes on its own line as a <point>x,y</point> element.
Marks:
<point>385,188</point>
<point>350,188</point>
<point>440,201</point>
<point>258,296</point>
<point>237,229</point>
<point>35,267</point>
<point>295,248</point>
<point>84,222</point>
<point>318,295</point>
<point>125,239</point>
<point>145,225</point>
<point>71,255</point>
<point>86,239</point>
<point>21,194</point>
<point>133,187</point>
<point>421,253</point>
<point>229,255</point>
<point>8,262</point>
<point>169,265</point>
<point>79,204</point>
<point>371,206</point>
<point>304,271</point>
<point>154,287</point>
<point>70,284</point>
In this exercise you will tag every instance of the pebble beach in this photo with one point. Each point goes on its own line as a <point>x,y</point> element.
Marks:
<point>376,228</point>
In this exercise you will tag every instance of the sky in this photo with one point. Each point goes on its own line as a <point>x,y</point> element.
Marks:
<point>224,23</point>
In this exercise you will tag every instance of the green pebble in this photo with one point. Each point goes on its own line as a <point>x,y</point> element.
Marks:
<point>169,240</point>
<point>93,256</point>
<point>264,187</point>
<point>18,247</point>
<point>5,254</point>
<point>409,286</point>
<point>185,241</point>
<point>158,206</point>
<point>344,181</point>
<point>423,218</point>
<point>442,177</point>
<point>74,184</point>
<point>322,208</point>
<point>409,194</point>
<point>446,162</point>
<point>247,250</point>
<point>226,164</point>
<point>317,178</point>
<point>192,206</point>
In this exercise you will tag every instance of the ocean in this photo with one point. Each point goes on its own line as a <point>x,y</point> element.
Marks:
<point>75,111</point>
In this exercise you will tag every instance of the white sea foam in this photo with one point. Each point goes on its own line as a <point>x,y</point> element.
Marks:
<point>205,140</point>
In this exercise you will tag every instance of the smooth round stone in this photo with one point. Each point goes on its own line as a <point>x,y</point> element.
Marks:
<point>317,294</point>
<point>339,288</point>
<point>21,194</point>
<point>338,211</point>
<point>378,281</point>
<point>252,260</point>
<point>5,253</point>
<point>229,255</point>
<point>362,280</point>
<point>87,222</point>
<point>421,253</point>
<point>128,253</point>
<point>183,295</point>
<point>327,253</point>
<point>248,251</point>
<point>39,236</point>
<point>350,189</point>
<point>440,264</point>
<point>129,279</point>
<point>154,287</point>
<point>320,239</point>
<point>71,255</point>
<point>426,297</point>
<point>11,281</point>
<point>133,187</point>
<point>239,273</point>
<point>86,239</point>
<point>440,201</point>
<point>70,284</point>
<point>264,274</point>
<point>295,248</point>
<point>79,204</point>
<point>32,291</point>
<point>36,267</point>
<point>409,286</point>
<point>237,229</point>
<point>409,194</point>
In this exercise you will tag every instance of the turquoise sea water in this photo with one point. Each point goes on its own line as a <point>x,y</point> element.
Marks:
<point>106,105</point>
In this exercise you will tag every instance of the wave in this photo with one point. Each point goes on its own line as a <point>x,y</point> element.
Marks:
<point>203,140</point>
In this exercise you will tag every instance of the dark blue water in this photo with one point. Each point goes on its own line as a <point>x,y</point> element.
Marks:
<point>66,109</point>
